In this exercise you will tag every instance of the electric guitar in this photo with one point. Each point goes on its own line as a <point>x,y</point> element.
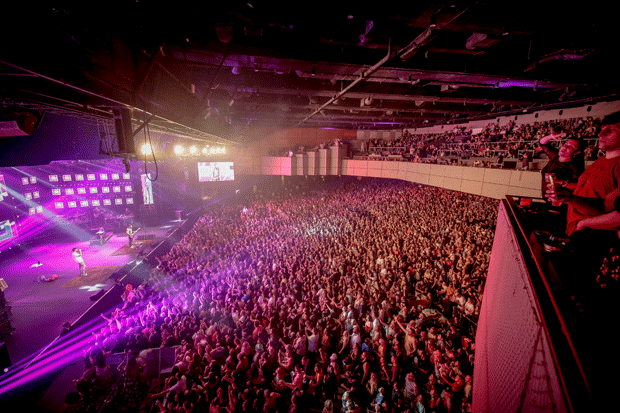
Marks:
<point>131,232</point>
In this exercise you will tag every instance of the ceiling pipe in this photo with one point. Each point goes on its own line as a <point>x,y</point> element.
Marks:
<point>406,52</point>
<point>361,77</point>
<point>564,54</point>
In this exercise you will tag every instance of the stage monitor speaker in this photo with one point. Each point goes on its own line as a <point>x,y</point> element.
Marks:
<point>18,124</point>
<point>124,130</point>
<point>146,237</point>
<point>97,295</point>
<point>5,360</point>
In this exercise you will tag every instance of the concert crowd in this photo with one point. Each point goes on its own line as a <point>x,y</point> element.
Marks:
<point>352,295</point>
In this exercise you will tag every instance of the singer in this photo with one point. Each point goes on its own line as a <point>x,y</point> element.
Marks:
<point>77,256</point>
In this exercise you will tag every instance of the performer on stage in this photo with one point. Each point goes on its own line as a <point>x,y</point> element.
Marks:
<point>130,234</point>
<point>37,265</point>
<point>77,256</point>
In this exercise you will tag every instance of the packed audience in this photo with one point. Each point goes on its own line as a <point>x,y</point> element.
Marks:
<point>493,141</point>
<point>355,295</point>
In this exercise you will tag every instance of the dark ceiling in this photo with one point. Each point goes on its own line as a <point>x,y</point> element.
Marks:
<point>223,68</point>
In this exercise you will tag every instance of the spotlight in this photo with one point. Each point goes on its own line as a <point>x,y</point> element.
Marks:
<point>205,149</point>
<point>179,149</point>
<point>193,150</point>
<point>146,149</point>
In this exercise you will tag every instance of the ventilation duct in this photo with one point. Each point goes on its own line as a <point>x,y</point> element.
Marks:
<point>479,41</point>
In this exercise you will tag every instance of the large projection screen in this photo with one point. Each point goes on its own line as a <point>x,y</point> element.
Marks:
<point>216,171</point>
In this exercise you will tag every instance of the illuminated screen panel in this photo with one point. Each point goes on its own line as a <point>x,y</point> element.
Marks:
<point>6,230</point>
<point>3,191</point>
<point>216,171</point>
<point>147,189</point>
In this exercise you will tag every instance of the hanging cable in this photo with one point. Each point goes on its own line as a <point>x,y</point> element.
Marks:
<point>147,140</point>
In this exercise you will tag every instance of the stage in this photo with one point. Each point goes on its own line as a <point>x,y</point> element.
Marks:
<point>38,309</point>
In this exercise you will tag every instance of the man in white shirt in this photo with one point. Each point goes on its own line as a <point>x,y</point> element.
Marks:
<point>77,256</point>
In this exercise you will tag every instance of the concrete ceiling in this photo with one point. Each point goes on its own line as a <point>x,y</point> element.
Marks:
<point>221,69</point>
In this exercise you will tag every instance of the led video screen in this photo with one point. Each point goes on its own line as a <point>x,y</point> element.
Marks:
<point>216,171</point>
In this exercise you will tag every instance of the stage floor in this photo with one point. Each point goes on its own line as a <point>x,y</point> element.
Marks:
<point>39,309</point>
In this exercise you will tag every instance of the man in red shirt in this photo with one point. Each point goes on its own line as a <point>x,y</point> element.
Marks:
<point>594,196</point>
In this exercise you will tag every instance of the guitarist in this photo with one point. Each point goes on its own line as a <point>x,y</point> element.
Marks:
<point>131,233</point>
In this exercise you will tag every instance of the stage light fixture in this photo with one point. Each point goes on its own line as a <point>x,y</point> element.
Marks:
<point>179,149</point>
<point>146,149</point>
<point>205,150</point>
<point>193,150</point>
